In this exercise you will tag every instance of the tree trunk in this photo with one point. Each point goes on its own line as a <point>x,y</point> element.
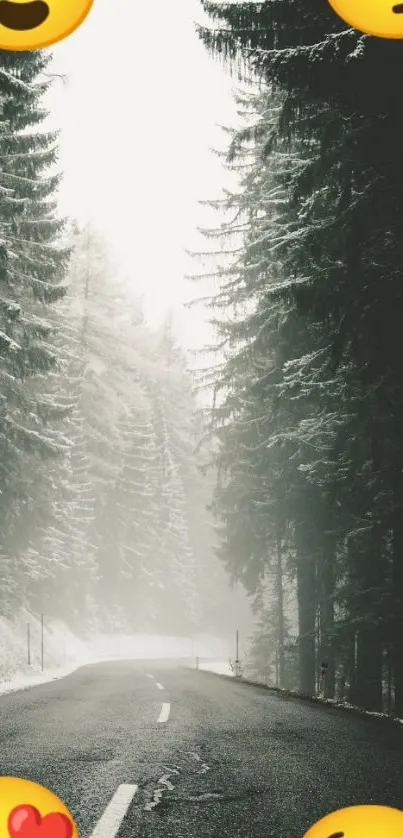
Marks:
<point>369,582</point>
<point>398,668</point>
<point>306,617</point>
<point>397,648</point>
<point>389,683</point>
<point>351,668</point>
<point>368,691</point>
<point>280,609</point>
<point>327,585</point>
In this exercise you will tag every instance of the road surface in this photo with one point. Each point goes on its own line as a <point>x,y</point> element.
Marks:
<point>185,754</point>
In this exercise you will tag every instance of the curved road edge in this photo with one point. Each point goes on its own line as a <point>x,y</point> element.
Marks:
<point>298,696</point>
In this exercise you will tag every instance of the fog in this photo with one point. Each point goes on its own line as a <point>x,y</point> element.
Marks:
<point>201,457</point>
<point>114,532</point>
<point>137,133</point>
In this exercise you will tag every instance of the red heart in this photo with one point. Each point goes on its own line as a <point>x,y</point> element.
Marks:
<point>26,822</point>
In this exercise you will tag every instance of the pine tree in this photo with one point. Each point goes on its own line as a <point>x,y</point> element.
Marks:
<point>32,268</point>
<point>134,408</point>
<point>170,393</point>
<point>338,242</point>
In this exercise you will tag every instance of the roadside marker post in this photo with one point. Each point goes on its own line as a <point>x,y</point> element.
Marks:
<point>42,642</point>
<point>237,663</point>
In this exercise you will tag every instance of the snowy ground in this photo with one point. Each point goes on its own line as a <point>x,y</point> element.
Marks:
<point>64,652</point>
<point>221,668</point>
<point>31,679</point>
<point>23,680</point>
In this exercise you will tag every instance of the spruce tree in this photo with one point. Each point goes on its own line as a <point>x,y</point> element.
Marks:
<point>32,267</point>
<point>338,122</point>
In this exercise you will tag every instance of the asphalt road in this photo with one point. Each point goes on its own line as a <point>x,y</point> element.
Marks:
<point>210,757</point>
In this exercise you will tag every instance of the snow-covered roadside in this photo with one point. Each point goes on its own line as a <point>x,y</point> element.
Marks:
<point>20,652</point>
<point>24,681</point>
<point>345,705</point>
<point>329,702</point>
<point>20,641</point>
<point>20,645</point>
<point>220,668</point>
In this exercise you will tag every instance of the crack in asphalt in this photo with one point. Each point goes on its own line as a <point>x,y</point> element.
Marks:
<point>166,784</point>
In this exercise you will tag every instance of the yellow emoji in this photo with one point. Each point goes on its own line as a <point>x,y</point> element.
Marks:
<point>359,822</point>
<point>383,18</point>
<point>34,24</point>
<point>28,810</point>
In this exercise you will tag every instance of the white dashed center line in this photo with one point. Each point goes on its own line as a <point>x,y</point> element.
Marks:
<point>164,715</point>
<point>110,822</point>
<point>160,687</point>
<point>149,676</point>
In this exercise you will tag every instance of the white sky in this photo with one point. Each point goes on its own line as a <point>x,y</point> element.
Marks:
<point>138,118</point>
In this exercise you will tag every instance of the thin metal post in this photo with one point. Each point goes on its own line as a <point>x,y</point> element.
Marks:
<point>42,642</point>
<point>237,665</point>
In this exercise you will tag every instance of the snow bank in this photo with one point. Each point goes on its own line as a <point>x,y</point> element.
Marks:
<point>61,648</point>
<point>64,652</point>
<point>23,681</point>
<point>222,668</point>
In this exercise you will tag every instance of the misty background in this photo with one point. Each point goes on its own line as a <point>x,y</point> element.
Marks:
<point>182,471</point>
<point>136,147</point>
<point>120,538</point>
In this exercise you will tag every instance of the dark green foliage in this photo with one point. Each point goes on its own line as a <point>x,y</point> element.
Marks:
<point>310,430</point>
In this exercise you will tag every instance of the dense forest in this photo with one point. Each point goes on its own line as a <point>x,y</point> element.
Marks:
<point>309,399</point>
<point>123,503</point>
<point>103,500</point>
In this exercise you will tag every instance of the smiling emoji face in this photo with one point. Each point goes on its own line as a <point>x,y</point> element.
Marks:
<point>359,822</point>
<point>383,18</point>
<point>34,24</point>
